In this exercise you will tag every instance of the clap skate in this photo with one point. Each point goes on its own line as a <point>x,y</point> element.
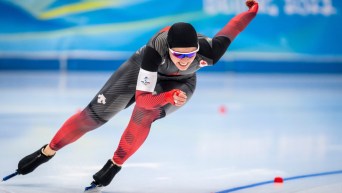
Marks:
<point>103,177</point>
<point>30,163</point>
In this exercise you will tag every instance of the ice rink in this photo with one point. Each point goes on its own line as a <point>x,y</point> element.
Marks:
<point>237,133</point>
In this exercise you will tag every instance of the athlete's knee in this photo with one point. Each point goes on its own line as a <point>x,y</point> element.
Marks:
<point>90,114</point>
<point>146,116</point>
<point>161,115</point>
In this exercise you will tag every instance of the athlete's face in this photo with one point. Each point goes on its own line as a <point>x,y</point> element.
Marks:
<point>183,57</point>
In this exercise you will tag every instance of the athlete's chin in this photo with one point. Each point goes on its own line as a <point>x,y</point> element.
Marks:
<point>183,67</point>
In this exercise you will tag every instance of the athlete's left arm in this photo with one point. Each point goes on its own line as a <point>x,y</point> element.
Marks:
<point>227,34</point>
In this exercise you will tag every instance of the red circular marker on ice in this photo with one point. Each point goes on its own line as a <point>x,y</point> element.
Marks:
<point>278,180</point>
<point>222,110</point>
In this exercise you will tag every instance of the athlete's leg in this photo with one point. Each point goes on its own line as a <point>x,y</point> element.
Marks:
<point>117,94</point>
<point>133,137</point>
<point>136,132</point>
<point>141,120</point>
<point>138,129</point>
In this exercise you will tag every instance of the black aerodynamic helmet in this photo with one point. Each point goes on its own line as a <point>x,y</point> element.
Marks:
<point>182,35</point>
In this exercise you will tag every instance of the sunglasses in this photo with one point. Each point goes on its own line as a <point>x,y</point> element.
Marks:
<point>181,55</point>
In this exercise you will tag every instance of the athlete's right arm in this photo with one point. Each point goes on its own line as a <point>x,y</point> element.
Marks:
<point>147,80</point>
<point>222,40</point>
<point>238,23</point>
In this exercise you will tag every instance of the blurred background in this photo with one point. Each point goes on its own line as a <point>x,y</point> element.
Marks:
<point>286,36</point>
<point>272,106</point>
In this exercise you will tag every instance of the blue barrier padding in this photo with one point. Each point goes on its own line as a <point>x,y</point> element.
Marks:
<point>223,66</point>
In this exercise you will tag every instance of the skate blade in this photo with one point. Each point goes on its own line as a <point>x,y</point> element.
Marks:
<point>94,189</point>
<point>9,176</point>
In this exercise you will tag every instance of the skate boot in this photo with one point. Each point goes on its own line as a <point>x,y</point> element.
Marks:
<point>103,177</point>
<point>32,161</point>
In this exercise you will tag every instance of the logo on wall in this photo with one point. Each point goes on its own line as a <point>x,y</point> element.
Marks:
<point>145,81</point>
<point>101,99</point>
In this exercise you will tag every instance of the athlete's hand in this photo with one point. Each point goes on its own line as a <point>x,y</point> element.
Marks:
<point>250,3</point>
<point>176,97</point>
<point>179,98</point>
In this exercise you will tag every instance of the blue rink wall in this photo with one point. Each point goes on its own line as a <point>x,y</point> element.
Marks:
<point>290,36</point>
<point>237,66</point>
